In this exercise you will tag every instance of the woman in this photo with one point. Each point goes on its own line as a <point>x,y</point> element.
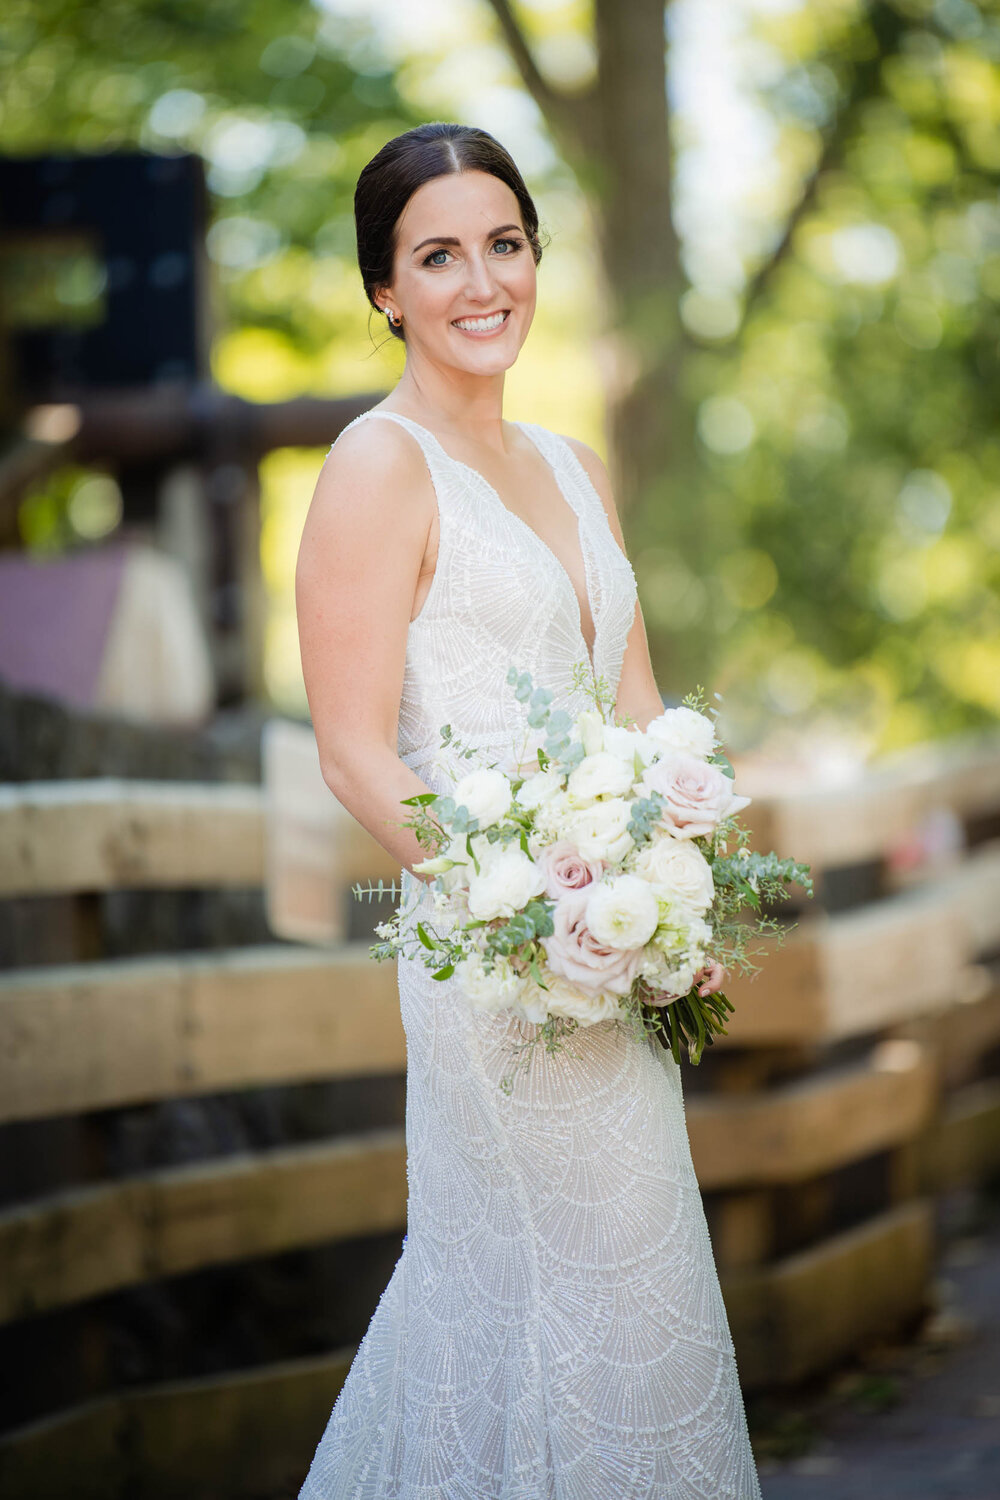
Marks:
<point>554,1326</point>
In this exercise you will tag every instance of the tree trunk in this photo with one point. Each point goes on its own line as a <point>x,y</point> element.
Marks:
<point>615,135</point>
<point>632,200</point>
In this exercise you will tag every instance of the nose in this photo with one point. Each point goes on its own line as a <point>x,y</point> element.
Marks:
<point>479,284</point>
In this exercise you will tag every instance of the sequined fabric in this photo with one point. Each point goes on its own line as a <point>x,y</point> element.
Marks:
<point>554,1328</point>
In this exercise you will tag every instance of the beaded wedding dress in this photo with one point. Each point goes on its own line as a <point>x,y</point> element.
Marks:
<point>554,1328</point>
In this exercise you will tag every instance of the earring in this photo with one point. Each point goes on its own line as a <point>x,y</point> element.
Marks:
<point>395,319</point>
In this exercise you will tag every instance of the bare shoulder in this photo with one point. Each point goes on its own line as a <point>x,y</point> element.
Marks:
<point>598,474</point>
<point>373,494</point>
<point>376,456</point>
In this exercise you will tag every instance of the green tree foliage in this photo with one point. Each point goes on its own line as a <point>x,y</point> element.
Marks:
<point>820,541</point>
<point>285,103</point>
<point>848,428</point>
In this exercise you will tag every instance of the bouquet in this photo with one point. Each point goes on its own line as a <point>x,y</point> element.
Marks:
<point>588,876</point>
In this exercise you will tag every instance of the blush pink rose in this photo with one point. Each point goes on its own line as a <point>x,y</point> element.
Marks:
<point>573,951</point>
<point>698,795</point>
<point>566,869</point>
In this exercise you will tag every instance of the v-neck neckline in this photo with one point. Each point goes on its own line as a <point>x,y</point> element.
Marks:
<point>591,653</point>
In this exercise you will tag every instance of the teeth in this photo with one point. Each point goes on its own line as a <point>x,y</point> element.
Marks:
<point>477,325</point>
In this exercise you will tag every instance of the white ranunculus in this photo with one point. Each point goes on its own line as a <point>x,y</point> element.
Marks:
<point>623,912</point>
<point>494,989</point>
<point>486,793</point>
<point>568,1000</point>
<point>507,882</point>
<point>601,831</point>
<point>533,1003</point>
<point>680,868</point>
<point>600,775</point>
<point>684,729</point>
<point>626,743</point>
<point>539,788</point>
<point>590,728</point>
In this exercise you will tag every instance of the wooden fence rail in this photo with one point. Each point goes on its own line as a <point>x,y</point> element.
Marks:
<point>868,1044</point>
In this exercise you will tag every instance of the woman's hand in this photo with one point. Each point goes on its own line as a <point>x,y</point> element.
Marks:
<point>710,978</point>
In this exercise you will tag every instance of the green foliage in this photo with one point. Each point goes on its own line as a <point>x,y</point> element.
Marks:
<point>644,817</point>
<point>846,438</point>
<point>391,888</point>
<point>824,545</point>
<point>284,102</point>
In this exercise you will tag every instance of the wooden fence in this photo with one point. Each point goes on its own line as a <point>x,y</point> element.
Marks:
<point>861,1078</point>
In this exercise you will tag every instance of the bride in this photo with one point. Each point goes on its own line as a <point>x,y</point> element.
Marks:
<point>554,1328</point>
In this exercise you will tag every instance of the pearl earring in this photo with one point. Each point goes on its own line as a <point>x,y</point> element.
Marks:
<point>394,318</point>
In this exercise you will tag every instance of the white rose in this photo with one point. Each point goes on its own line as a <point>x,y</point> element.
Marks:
<point>627,743</point>
<point>486,793</point>
<point>684,729</point>
<point>680,868</point>
<point>623,912</point>
<point>493,990</point>
<point>590,727</point>
<point>506,883</point>
<point>696,795</point>
<point>601,831</point>
<point>600,775</point>
<point>539,789</point>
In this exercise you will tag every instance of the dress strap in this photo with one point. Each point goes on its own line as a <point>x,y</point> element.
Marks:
<point>435,456</point>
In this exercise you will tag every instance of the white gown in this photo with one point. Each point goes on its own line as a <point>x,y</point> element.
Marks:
<point>554,1328</point>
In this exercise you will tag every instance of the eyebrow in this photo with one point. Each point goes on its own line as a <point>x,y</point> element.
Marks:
<point>449,239</point>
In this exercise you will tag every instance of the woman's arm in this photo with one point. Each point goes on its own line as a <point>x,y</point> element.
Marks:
<point>363,543</point>
<point>638,696</point>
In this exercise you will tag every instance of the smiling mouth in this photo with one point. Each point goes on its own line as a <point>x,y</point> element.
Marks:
<point>484,325</point>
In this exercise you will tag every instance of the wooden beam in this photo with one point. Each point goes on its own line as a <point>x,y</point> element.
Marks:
<point>802,1129</point>
<point>109,833</point>
<point>87,1036</point>
<point>251,1431</point>
<point>861,971</point>
<point>315,847</point>
<point>882,806</point>
<point>79,1037</point>
<point>964,1148</point>
<point>190,420</point>
<point>803,1314</point>
<point>959,1037</point>
<point>89,1241</point>
<point>242,1433</point>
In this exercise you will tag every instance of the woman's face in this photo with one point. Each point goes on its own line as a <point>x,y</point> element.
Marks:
<point>463,274</point>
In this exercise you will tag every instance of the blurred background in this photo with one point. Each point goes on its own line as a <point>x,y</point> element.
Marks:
<point>770,296</point>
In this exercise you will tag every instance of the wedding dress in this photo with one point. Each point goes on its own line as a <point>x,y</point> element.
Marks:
<point>554,1328</point>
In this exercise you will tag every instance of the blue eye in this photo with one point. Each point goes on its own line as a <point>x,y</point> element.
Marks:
<point>513,246</point>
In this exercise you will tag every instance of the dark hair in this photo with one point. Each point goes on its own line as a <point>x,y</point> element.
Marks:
<point>404,164</point>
